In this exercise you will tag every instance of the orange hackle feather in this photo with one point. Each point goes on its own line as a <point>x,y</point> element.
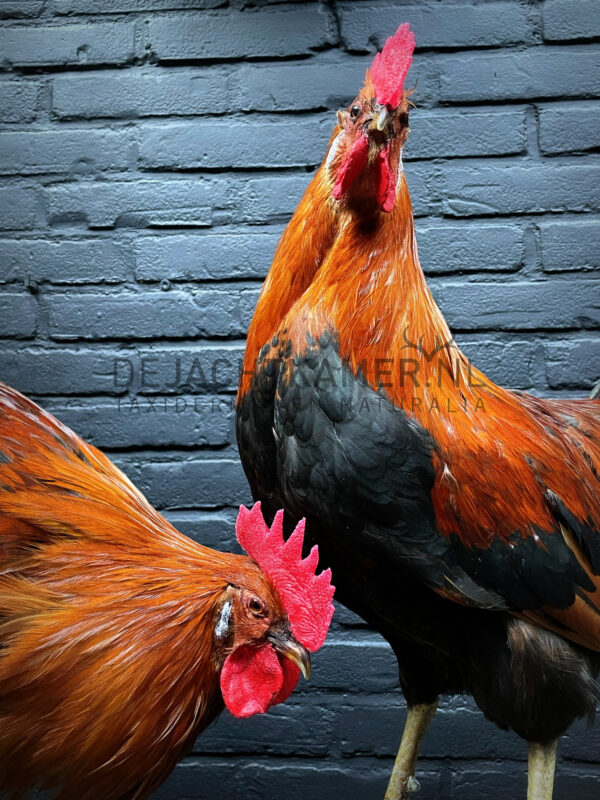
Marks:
<point>108,668</point>
<point>369,289</point>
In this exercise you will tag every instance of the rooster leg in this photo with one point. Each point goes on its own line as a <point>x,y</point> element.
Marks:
<point>403,779</point>
<point>542,759</point>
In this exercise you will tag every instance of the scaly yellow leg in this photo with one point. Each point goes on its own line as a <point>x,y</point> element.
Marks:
<point>403,780</point>
<point>542,760</point>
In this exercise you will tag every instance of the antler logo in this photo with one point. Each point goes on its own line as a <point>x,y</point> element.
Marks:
<point>429,355</point>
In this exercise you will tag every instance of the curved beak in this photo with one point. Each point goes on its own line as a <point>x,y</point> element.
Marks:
<point>382,119</point>
<point>284,643</point>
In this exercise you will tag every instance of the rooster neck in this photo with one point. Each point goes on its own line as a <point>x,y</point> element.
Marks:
<point>299,255</point>
<point>371,291</point>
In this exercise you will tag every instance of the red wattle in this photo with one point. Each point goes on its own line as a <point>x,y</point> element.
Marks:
<point>353,164</point>
<point>291,674</point>
<point>386,180</point>
<point>251,680</point>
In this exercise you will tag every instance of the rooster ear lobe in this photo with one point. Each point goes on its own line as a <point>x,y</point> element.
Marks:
<point>222,626</point>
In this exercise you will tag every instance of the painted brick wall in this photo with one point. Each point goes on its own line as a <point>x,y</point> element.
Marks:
<point>151,152</point>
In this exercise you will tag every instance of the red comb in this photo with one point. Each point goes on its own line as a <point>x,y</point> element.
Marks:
<point>306,596</point>
<point>389,67</point>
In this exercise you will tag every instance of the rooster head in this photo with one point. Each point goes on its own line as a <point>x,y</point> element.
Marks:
<point>365,157</point>
<point>269,619</point>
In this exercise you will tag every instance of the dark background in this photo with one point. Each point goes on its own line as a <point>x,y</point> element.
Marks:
<point>151,152</point>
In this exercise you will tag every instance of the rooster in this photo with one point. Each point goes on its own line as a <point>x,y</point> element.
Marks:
<point>120,638</point>
<point>460,520</point>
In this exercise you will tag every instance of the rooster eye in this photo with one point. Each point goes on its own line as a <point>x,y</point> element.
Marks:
<point>354,112</point>
<point>255,606</point>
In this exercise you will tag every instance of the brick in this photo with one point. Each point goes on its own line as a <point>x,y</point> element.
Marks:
<point>100,43</point>
<point>290,729</point>
<point>214,529</point>
<point>512,364</point>
<point>465,133</point>
<point>19,100</point>
<point>42,370</point>
<point>580,743</point>
<point>569,245</point>
<point>209,312</point>
<point>208,483</point>
<point>292,30</point>
<point>299,86</point>
<point>583,786</point>
<point>76,151</point>
<point>206,368</point>
<point>439,26</point>
<point>145,422</point>
<point>182,421</point>
<point>21,8</point>
<point>355,666</point>
<point>519,188</point>
<point>565,130</point>
<point>520,305</point>
<point>471,782</point>
<point>236,143</point>
<point>19,208</point>
<point>65,261</point>
<point>141,93</point>
<point>421,179</point>
<point>540,72</point>
<point>205,256</point>
<point>573,364</point>
<point>447,247</point>
<point>564,20</point>
<point>18,315</point>
<point>117,6</point>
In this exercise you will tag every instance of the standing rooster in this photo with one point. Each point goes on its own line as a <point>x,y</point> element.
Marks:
<point>461,520</point>
<point>120,638</point>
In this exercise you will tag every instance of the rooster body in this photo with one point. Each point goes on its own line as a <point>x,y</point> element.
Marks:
<point>383,490</point>
<point>120,638</point>
<point>461,520</point>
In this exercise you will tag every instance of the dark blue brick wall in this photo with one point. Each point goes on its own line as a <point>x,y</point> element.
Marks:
<point>151,152</point>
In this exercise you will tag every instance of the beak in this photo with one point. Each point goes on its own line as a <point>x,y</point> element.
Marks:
<point>284,643</point>
<point>382,119</point>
